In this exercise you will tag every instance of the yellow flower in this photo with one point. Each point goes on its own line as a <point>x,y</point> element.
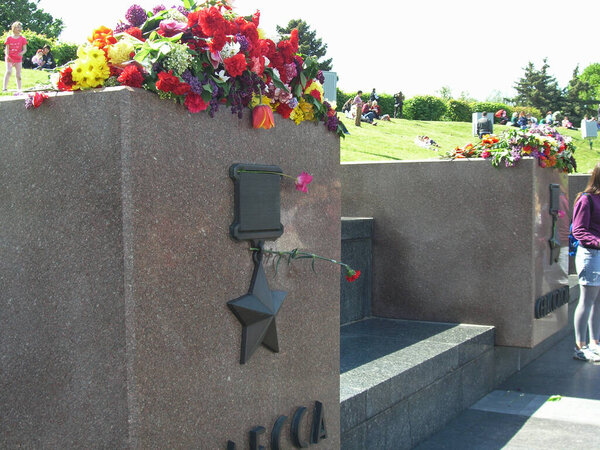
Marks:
<point>307,109</point>
<point>297,115</point>
<point>315,85</point>
<point>119,53</point>
<point>256,100</point>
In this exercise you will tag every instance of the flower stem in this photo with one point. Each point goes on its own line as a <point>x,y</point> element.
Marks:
<point>266,171</point>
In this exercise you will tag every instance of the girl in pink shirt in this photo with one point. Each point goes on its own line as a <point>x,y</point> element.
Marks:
<point>15,47</point>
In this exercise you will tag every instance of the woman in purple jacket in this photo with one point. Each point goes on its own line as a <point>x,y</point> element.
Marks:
<point>586,228</point>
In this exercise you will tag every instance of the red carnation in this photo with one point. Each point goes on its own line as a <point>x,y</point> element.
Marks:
<point>115,71</point>
<point>316,94</point>
<point>182,89</point>
<point>284,110</point>
<point>294,40</point>
<point>135,32</point>
<point>235,65</point>
<point>166,81</point>
<point>249,30</point>
<point>212,21</point>
<point>286,50</point>
<point>218,42</point>
<point>256,18</point>
<point>352,275</point>
<point>65,81</point>
<point>192,19</point>
<point>195,103</point>
<point>131,76</point>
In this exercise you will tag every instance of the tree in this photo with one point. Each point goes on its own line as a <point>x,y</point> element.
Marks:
<point>32,17</point>
<point>309,44</point>
<point>578,91</point>
<point>538,89</point>
<point>445,92</point>
<point>591,75</point>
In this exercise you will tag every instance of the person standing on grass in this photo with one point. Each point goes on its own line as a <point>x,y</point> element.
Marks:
<point>586,229</point>
<point>15,47</point>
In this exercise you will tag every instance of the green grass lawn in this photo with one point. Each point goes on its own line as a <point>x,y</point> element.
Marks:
<point>29,78</point>
<point>395,141</point>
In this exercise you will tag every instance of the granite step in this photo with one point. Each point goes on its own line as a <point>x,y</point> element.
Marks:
<point>403,380</point>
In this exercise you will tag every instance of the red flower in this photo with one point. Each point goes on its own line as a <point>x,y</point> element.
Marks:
<point>235,65</point>
<point>135,32</point>
<point>256,18</point>
<point>286,50</point>
<point>316,94</point>
<point>249,30</point>
<point>195,103</point>
<point>167,81</point>
<point>182,89</point>
<point>131,76</point>
<point>284,110</point>
<point>65,81</point>
<point>352,275</point>
<point>294,40</point>
<point>262,117</point>
<point>212,22</point>
<point>192,19</point>
<point>38,99</point>
<point>302,181</point>
<point>218,42</point>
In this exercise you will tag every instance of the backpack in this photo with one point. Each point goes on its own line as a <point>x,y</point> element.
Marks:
<point>573,242</point>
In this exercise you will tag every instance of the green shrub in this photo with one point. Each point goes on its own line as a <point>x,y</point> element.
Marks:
<point>63,51</point>
<point>425,107</point>
<point>529,110</point>
<point>492,107</point>
<point>458,111</point>
<point>386,103</point>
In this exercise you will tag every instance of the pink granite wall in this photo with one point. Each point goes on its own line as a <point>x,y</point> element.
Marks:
<point>461,241</point>
<point>117,267</point>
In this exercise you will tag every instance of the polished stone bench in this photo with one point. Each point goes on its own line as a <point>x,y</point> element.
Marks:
<point>402,380</point>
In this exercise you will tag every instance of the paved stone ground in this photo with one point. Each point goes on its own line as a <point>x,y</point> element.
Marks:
<point>518,415</point>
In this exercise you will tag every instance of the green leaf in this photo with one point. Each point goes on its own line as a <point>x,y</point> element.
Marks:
<point>554,398</point>
<point>190,5</point>
<point>303,79</point>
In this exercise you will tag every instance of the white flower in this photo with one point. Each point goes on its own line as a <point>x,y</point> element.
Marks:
<point>230,49</point>
<point>221,76</point>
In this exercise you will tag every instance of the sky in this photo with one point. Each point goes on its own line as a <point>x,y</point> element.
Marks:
<point>478,48</point>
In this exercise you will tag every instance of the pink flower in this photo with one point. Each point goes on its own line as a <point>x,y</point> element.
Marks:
<point>302,181</point>
<point>485,154</point>
<point>561,213</point>
<point>169,28</point>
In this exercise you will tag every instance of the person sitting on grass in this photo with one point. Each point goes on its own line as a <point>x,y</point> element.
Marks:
<point>567,123</point>
<point>38,59</point>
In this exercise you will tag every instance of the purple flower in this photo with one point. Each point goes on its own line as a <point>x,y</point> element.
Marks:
<point>121,27</point>
<point>320,77</point>
<point>181,9</point>
<point>332,123</point>
<point>243,41</point>
<point>136,15</point>
<point>158,8</point>
<point>195,83</point>
<point>29,102</point>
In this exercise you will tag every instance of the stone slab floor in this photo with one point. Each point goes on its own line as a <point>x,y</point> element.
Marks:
<point>518,415</point>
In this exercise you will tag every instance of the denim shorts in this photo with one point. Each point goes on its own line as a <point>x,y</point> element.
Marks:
<point>587,263</point>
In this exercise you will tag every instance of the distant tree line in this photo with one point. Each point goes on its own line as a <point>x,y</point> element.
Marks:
<point>537,93</point>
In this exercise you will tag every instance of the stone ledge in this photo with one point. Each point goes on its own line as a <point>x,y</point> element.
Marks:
<point>386,363</point>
